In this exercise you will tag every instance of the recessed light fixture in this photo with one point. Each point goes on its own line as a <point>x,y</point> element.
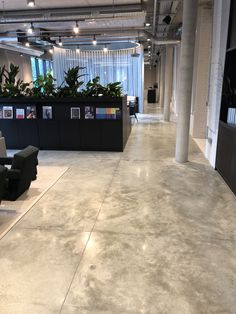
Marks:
<point>21,54</point>
<point>147,24</point>
<point>27,44</point>
<point>105,49</point>
<point>31,3</point>
<point>149,46</point>
<point>148,39</point>
<point>51,51</point>
<point>94,40</point>
<point>30,30</point>
<point>76,28</point>
<point>78,49</point>
<point>60,42</point>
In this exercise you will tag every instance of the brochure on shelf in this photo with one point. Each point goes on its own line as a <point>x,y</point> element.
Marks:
<point>89,112</point>
<point>47,112</point>
<point>108,113</point>
<point>75,112</point>
<point>231,117</point>
<point>7,112</point>
<point>31,112</point>
<point>20,113</point>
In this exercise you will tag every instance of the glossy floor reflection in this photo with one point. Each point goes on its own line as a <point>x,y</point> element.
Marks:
<point>130,232</point>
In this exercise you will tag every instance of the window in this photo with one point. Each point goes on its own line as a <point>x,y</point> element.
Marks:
<point>40,67</point>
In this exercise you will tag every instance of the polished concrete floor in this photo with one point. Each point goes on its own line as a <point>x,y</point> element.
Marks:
<point>130,232</point>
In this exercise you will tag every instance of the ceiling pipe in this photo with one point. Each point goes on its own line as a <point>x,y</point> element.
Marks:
<point>154,17</point>
<point>73,18</point>
<point>66,14</point>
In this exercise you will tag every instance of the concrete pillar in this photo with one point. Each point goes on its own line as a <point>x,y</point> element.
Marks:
<point>221,10</point>
<point>186,75</point>
<point>162,80</point>
<point>168,82</point>
<point>201,71</point>
<point>158,78</point>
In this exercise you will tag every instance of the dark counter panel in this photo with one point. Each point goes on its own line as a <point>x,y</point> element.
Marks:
<point>226,154</point>
<point>64,131</point>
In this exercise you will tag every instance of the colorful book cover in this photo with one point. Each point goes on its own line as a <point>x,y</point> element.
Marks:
<point>20,113</point>
<point>108,113</point>
<point>31,112</point>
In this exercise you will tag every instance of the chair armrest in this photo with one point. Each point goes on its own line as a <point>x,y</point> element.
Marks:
<point>13,173</point>
<point>6,160</point>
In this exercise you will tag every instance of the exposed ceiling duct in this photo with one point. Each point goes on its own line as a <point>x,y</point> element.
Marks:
<point>53,25</point>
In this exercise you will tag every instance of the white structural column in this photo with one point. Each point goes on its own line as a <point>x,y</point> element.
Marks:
<point>186,75</point>
<point>220,30</point>
<point>168,82</point>
<point>158,80</point>
<point>201,71</point>
<point>162,79</point>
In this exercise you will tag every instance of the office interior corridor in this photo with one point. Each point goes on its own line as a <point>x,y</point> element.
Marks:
<point>132,232</point>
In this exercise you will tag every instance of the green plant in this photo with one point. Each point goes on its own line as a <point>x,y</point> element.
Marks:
<point>94,88</point>
<point>2,70</point>
<point>12,87</point>
<point>44,86</point>
<point>113,89</point>
<point>73,84</point>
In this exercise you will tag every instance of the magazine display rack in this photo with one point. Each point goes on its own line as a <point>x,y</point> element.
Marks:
<point>92,123</point>
<point>226,148</point>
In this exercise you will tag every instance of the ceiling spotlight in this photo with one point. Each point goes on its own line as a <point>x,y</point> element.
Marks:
<point>78,49</point>
<point>51,51</point>
<point>167,19</point>
<point>94,40</point>
<point>21,54</point>
<point>60,42</point>
<point>149,46</point>
<point>147,24</point>
<point>30,30</point>
<point>27,44</point>
<point>31,3</point>
<point>148,39</point>
<point>76,28</point>
<point>105,49</point>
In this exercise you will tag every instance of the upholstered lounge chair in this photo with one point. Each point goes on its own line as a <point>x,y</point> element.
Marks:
<point>3,176</point>
<point>23,170</point>
<point>3,151</point>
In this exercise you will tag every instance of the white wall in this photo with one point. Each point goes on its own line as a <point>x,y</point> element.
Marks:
<point>219,40</point>
<point>24,63</point>
<point>150,76</point>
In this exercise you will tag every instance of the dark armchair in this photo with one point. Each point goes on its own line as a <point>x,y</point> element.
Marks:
<point>23,170</point>
<point>3,176</point>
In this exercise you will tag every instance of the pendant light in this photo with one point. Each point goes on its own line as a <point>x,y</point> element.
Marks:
<point>76,28</point>
<point>31,3</point>
<point>60,42</point>
<point>30,30</point>
<point>94,40</point>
